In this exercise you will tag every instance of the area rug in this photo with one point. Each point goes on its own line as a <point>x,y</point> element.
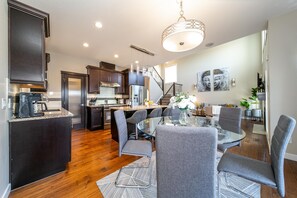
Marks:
<point>259,129</point>
<point>108,189</point>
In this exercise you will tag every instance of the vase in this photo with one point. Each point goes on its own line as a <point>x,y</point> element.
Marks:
<point>183,117</point>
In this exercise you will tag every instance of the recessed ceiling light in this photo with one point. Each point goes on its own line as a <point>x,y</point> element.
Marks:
<point>116,56</point>
<point>98,24</point>
<point>86,44</point>
<point>137,62</point>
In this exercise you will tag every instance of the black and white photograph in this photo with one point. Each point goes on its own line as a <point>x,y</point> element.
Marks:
<point>204,81</point>
<point>221,79</point>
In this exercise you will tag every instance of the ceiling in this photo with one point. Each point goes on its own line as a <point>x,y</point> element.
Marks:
<point>141,23</point>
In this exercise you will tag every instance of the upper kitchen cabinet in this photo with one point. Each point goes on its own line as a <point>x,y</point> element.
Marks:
<point>121,81</point>
<point>134,78</point>
<point>93,79</point>
<point>108,76</point>
<point>105,78</point>
<point>28,28</point>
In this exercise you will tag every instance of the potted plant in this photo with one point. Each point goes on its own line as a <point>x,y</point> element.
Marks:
<point>246,103</point>
<point>251,103</point>
<point>254,99</point>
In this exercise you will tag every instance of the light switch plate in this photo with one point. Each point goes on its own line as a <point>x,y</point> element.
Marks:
<point>3,103</point>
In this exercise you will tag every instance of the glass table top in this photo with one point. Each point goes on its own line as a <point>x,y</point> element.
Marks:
<point>149,125</point>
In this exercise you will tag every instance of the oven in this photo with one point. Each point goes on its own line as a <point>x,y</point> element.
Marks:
<point>107,114</point>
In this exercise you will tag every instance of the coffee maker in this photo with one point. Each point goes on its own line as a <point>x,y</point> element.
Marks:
<point>29,105</point>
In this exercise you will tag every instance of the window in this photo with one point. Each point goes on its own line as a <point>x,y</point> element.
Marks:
<point>170,74</point>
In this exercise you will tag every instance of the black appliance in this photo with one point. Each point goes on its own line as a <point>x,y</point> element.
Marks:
<point>92,101</point>
<point>29,105</point>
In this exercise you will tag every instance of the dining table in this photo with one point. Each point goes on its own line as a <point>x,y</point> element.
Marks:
<point>148,127</point>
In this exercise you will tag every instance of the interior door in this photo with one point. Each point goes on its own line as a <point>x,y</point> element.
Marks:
<point>73,91</point>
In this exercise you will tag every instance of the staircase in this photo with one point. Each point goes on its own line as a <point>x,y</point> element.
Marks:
<point>160,97</point>
<point>165,100</point>
<point>174,89</point>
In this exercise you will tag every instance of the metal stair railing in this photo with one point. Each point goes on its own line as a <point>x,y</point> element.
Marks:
<point>156,76</point>
<point>174,89</point>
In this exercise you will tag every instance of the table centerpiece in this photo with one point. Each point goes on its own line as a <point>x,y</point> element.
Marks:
<point>184,102</point>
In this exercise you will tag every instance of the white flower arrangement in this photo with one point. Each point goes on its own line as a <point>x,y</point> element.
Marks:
<point>183,101</point>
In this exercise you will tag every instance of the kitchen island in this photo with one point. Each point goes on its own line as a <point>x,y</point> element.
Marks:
<point>128,110</point>
<point>39,146</point>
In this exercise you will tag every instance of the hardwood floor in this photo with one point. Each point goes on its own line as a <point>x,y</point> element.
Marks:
<point>95,155</point>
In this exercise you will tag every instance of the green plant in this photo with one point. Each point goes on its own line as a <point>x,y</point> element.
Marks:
<point>254,92</point>
<point>251,100</point>
<point>245,103</point>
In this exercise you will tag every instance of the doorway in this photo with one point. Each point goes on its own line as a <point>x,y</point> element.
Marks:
<point>74,97</point>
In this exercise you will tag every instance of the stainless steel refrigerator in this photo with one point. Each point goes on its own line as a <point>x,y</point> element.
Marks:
<point>137,94</point>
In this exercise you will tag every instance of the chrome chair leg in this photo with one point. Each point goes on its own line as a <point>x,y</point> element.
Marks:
<point>134,186</point>
<point>235,189</point>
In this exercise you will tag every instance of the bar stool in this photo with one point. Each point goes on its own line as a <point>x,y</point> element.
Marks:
<point>167,112</point>
<point>133,120</point>
<point>155,113</point>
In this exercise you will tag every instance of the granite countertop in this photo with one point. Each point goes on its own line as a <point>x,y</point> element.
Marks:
<point>47,115</point>
<point>135,108</point>
<point>93,106</point>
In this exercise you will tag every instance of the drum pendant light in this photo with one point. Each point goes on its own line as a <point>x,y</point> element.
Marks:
<point>183,35</point>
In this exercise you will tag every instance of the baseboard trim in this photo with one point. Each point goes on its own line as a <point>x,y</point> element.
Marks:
<point>6,192</point>
<point>290,156</point>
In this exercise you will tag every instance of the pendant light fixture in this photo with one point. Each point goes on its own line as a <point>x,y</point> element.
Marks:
<point>183,35</point>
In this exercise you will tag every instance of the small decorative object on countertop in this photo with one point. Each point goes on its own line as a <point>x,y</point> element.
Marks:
<point>47,115</point>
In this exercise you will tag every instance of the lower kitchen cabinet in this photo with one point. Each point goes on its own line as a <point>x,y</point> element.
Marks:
<point>38,148</point>
<point>94,118</point>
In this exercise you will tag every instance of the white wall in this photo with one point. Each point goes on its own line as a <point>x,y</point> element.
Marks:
<point>4,150</point>
<point>62,62</point>
<point>282,71</point>
<point>242,56</point>
<point>155,91</point>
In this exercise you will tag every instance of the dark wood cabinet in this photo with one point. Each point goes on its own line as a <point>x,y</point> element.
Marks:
<point>97,75</point>
<point>108,76</point>
<point>38,148</point>
<point>134,78</point>
<point>93,79</point>
<point>140,79</point>
<point>121,81</point>
<point>94,118</point>
<point>28,28</point>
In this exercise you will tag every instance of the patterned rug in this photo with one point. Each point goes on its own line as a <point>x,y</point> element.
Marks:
<point>108,189</point>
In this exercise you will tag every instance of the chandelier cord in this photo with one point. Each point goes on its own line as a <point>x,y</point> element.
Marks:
<point>181,13</point>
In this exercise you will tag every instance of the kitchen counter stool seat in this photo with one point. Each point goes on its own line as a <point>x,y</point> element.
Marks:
<point>137,117</point>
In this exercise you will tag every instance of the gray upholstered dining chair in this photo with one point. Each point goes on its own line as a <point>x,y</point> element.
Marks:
<point>167,112</point>
<point>185,160</point>
<point>258,171</point>
<point>137,117</point>
<point>131,147</point>
<point>230,119</point>
<point>157,112</point>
